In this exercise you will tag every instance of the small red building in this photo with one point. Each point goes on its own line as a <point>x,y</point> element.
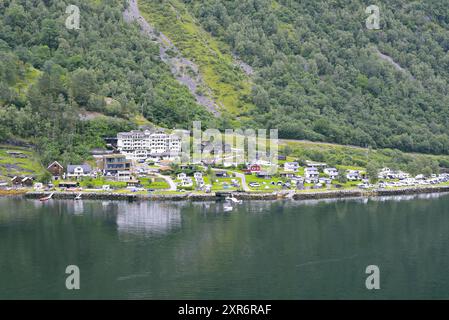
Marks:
<point>254,168</point>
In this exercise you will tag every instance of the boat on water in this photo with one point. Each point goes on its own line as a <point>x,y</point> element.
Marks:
<point>47,197</point>
<point>78,197</point>
<point>234,200</point>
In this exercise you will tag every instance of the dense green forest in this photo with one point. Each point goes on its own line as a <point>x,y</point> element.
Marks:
<point>49,75</point>
<point>319,73</point>
<point>322,75</point>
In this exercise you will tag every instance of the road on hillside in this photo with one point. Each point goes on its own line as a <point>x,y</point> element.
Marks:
<point>169,181</point>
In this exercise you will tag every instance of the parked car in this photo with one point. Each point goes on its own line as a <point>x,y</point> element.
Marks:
<point>254,184</point>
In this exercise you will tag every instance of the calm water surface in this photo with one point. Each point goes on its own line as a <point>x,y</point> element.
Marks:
<point>260,250</point>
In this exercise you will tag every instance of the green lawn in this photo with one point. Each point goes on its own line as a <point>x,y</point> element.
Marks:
<point>154,183</point>
<point>264,183</point>
<point>12,166</point>
<point>148,183</point>
<point>97,183</point>
<point>219,186</point>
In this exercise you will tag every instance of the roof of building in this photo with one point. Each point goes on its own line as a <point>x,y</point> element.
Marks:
<point>71,168</point>
<point>55,162</point>
<point>67,183</point>
<point>98,151</point>
<point>264,173</point>
<point>114,155</point>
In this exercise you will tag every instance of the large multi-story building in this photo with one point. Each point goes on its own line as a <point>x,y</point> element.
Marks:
<point>141,145</point>
<point>116,165</point>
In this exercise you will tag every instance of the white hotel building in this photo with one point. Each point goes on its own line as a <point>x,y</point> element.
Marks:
<point>142,145</point>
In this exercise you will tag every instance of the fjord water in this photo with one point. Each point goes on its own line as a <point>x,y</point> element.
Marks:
<point>260,250</point>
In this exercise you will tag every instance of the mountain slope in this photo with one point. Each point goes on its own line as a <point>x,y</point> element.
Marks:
<point>223,76</point>
<point>309,68</point>
<point>49,75</point>
<point>320,74</point>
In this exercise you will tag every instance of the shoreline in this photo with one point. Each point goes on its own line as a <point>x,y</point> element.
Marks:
<point>330,194</point>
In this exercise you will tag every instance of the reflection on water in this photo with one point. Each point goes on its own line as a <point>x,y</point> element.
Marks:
<point>147,217</point>
<point>193,250</point>
<point>78,207</point>
<point>410,197</point>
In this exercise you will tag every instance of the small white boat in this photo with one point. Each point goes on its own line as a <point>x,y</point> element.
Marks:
<point>78,197</point>
<point>234,200</point>
<point>47,197</point>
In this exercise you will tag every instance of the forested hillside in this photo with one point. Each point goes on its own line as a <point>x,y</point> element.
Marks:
<point>316,71</point>
<point>49,75</point>
<point>320,74</point>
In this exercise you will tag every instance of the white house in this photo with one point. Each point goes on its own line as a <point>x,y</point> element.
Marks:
<point>387,173</point>
<point>291,166</point>
<point>261,162</point>
<point>123,175</point>
<point>198,175</point>
<point>187,182</point>
<point>384,173</point>
<point>331,173</point>
<point>315,164</point>
<point>401,175</point>
<point>311,174</point>
<point>353,175</point>
<point>182,176</point>
<point>297,179</point>
<point>325,180</point>
<point>79,170</point>
<point>200,182</point>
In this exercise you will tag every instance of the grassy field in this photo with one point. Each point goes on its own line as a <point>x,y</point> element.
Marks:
<point>218,184</point>
<point>265,184</point>
<point>355,158</point>
<point>97,183</point>
<point>229,85</point>
<point>154,183</point>
<point>11,166</point>
<point>148,183</point>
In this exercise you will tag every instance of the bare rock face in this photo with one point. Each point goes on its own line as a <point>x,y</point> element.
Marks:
<point>184,70</point>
